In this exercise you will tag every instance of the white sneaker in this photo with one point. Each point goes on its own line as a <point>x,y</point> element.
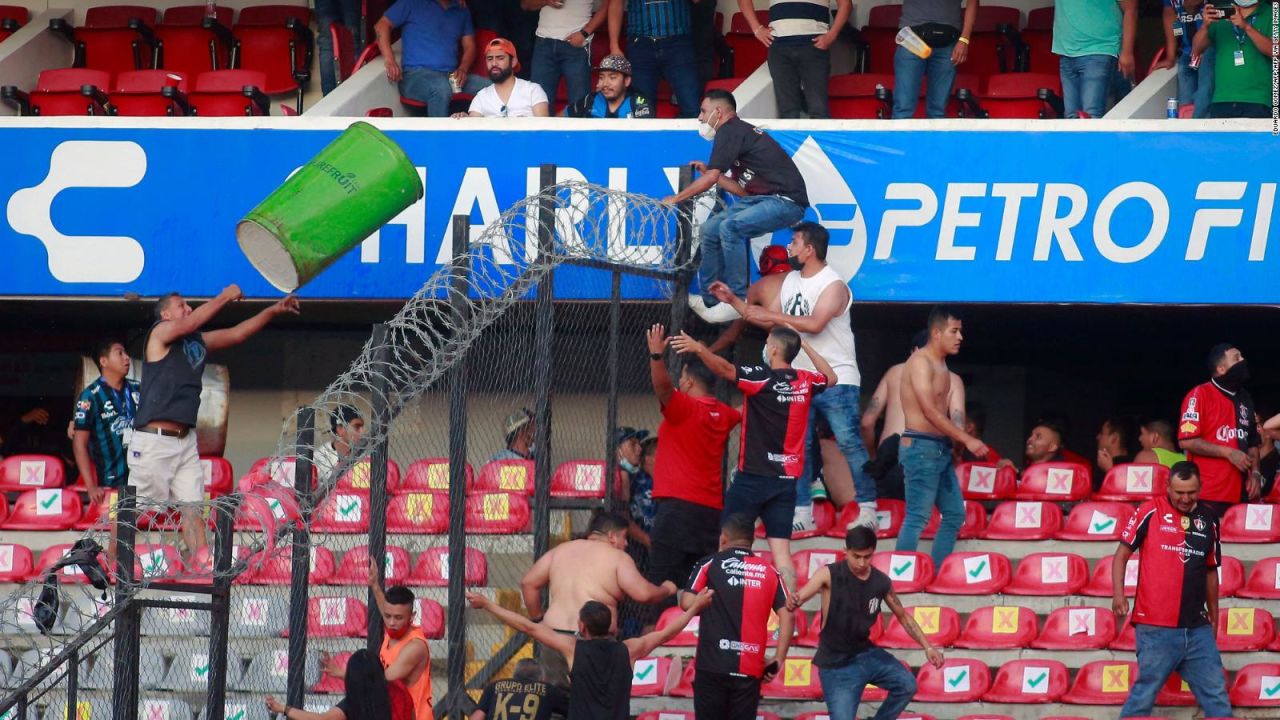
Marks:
<point>719,313</point>
<point>803,520</point>
<point>817,490</point>
<point>867,518</point>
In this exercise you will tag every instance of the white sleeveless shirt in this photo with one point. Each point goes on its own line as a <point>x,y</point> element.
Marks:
<point>799,296</point>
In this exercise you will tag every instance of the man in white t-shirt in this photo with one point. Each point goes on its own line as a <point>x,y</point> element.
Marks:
<point>347,427</point>
<point>508,96</point>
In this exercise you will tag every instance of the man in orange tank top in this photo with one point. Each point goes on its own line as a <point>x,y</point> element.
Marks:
<point>404,653</point>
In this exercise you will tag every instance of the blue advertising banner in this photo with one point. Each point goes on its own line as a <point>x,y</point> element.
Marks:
<point>1146,216</point>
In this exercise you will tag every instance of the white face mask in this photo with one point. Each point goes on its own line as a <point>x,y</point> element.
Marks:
<point>629,466</point>
<point>764,356</point>
<point>708,131</point>
<point>1246,3</point>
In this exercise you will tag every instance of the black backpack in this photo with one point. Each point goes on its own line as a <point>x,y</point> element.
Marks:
<point>84,554</point>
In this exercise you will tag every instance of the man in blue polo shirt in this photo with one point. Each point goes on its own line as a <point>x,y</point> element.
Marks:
<point>439,45</point>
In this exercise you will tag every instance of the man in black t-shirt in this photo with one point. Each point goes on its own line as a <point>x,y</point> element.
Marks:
<point>852,594</point>
<point>771,196</point>
<point>523,697</point>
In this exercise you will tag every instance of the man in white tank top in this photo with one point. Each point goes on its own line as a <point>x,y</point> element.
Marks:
<point>815,300</point>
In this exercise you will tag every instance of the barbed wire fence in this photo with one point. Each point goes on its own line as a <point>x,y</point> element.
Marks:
<point>437,385</point>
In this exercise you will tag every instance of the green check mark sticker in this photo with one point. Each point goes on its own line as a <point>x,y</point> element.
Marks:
<point>349,508</point>
<point>1272,691</point>
<point>1104,526</point>
<point>202,670</point>
<point>644,674</point>
<point>46,504</point>
<point>977,570</point>
<point>237,715</point>
<point>959,678</point>
<point>1035,681</point>
<point>900,569</point>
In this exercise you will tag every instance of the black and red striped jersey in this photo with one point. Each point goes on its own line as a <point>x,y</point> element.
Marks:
<point>775,418</point>
<point>734,630</point>
<point>1176,552</point>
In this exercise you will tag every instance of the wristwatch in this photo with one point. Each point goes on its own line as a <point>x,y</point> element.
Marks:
<point>655,356</point>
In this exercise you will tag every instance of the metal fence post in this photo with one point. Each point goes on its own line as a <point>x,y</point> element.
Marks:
<point>378,477</point>
<point>611,425</point>
<point>544,326</point>
<point>220,612</point>
<point>128,624</point>
<point>684,275</point>
<point>460,308</point>
<point>300,569</point>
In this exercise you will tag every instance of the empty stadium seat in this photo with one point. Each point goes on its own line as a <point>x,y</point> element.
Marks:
<point>798,627</point>
<point>219,479</point>
<point>959,680</point>
<point>497,513</point>
<point>258,615</point>
<point>860,96</point>
<point>513,476</point>
<point>44,509</point>
<point>69,574</point>
<point>68,91</point>
<point>25,472</point>
<point>343,57</point>
<point>877,46</point>
<point>16,563</point>
<point>1263,581</point>
<point>419,513</point>
<point>797,680</point>
<point>12,18</point>
<point>268,672</point>
<point>1049,574</point>
<point>908,571</point>
<point>1077,628</point>
<point>1253,523</point>
<point>1037,37</point>
<point>1133,482</point>
<point>808,562</point>
<point>276,567</point>
<point>684,686</point>
<point>280,471</point>
<point>344,511</point>
<point>1102,682</point>
<point>329,684</point>
<point>190,672</point>
<point>1245,629</point>
<point>432,568</point>
<point>1055,481</point>
<point>748,52</point>
<point>987,481</point>
<point>582,479</point>
<point>1257,685</point>
<point>186,43</point>
<point>96,515</point>
<point>1015,95</point>
<point>1126,639</point>
<point>650,675</point>
<point>432,475</point>
<point>1028,681</point>
<point>971,573</point>
<point>275,40</point>
<point>1176,693</point>
<point>336,617</point>
<point>358,477</point>
<point>1024,520</point>
<point>975,521</point>
<point>153,561</point>
<point>688,637</point>
<point>940,624</point>
<point>233,93</point>
<point>429,615</point>
<point>113,39</point>
<point>354,568</point>
<point>994,42</point>
<point>1096,521</point>
<point>999,627</point>
<point>1099,584</point>
<point>267,507</point>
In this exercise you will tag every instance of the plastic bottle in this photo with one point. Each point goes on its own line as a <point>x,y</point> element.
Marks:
<point>908,39</point>
<point>1171,108</point>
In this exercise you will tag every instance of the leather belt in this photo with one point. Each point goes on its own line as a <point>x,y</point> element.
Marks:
<point>163,432</point>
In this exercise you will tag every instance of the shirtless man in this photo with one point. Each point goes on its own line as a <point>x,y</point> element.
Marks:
<point>925,448</point>
<point>594,568</point>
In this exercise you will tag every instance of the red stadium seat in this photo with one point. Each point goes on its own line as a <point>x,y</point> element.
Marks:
<point>999,627</point>
<point>1251,524</point>
<point>987,481</point>
<point>889,517</point>
<point>1257,685</point>
<point>68,91</point>
<point>940,624</point>
<point>885,16</point>
<point>581,479</point>
<point>430,617</point>
<point>12,18</point>
<point>1176,693</point>
<point>275,40</point>
<point>824,520</point>
<point>25,472</point>
<point>357,478</point>
<point>432,568</point>
<point>264,470</point>
<point>797,680</point>
<point>1024,520</point>
<point>880,47</point>
<point>1243,629</point>
<point>1264,580</point>
<point>344,511</point>
<point>1038,37</point>
<point>17,564</point>
<point>1096,521</point>
<point>335,617</point>
<point>497,513</point>
<point>113,39</point>
<point>267,507</point>
<point>1102,682</point>
<point>329,684</point>
<point>44,509</point>
<point>1230,576</point>
<point>432,475</point>
<point>975,521</point>
<point>1049,574</point>
<point>230,93</point>
<point>1016,95</point>
<point>727,84</point>
<point>683,687</point>
<point>343,43</point>
<point>959,680</point>
<point>1100,582</point>
<point>1040,18</point>
<point>797,628</point>
<point>1028,681</point>
<point>517,476</point>
<point>810,636</point>
<point>991,44</point>
<point>688,637</point>
<point>860,96</point>
<point>219,479</point>
<point>276,568</point>
<point>156,561</point>
<point>96,515</point>
<point>69,574</point>
<point>808,562</point>
<point>908,571</point>
<point>354,568</point>
<point>420,513</point>
<point>748,52</point>
<point>651,676</point>
<point>1133,482</point>
<point>186,45</point>
<point>1077,628</point>
<point>972,573</point>
<point>1126,639</point>
<point>1055,481</point>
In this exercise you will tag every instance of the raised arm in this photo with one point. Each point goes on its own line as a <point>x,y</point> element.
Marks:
<point>656,339</point>
<point>170,330</point>
<point>817,583</point>
<point>819,362</point>
<point>219,339</point>
<point>718,365</point>
<point>645,644</point>
<point>520,623</point>
<point>538,577</point>
<point>908,622</point>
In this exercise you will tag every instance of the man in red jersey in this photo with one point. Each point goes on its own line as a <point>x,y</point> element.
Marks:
<point>1218,433</point>
<point>734,630</point>
<point>1175,613</point>
<point>687,485</point>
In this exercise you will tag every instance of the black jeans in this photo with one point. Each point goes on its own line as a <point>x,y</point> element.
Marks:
<point>800,72</point>
<point>1239,110</point>
<point>717,696</point>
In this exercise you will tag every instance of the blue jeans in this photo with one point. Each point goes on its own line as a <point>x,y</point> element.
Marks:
<point>553,59</point>
<point>346,12</point>
<point>842,686</point>
<point>909,71</point>
<point>930,480</point>
<point>726,237</point>
<point>1195,86</point>
<point>670,57</point>
<point>841,406</point>
<point>1193,654</point>
<point>1086,83</point>
<point>432,87</point>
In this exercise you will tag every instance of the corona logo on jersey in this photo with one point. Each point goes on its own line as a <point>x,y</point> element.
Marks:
<point>977,215</point>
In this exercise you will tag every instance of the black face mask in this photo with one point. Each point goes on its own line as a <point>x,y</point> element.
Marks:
<point>1236,377</point>
<point>795,262</point>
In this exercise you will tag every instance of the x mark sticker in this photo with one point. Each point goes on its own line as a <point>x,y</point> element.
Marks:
<point>1028,515</point>
<point>1137,479</point>
<point>1115,678</point>
<point>1053,569</point>
<point>1240,621</point>
<point>982,479</point>
<point>1004,620</point>
<point>588,478</point>
<point>1060,481</point>
<point>797,674</point>
<point>32,472</point>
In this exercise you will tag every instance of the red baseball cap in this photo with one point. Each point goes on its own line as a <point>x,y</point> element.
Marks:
<point>773,260</point>
<point>507,47</point>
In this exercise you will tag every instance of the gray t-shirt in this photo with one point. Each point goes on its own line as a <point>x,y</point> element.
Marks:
<point>919,12</point>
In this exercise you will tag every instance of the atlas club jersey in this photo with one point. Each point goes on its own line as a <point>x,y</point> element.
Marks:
<point>1175,553</point>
